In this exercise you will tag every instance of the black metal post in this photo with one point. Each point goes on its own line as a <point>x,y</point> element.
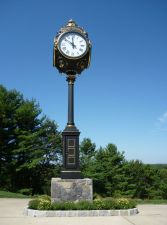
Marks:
<point>71,80</point>
<point>71,169</point>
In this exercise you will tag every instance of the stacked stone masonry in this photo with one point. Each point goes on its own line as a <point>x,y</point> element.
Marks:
<point>71,189</point>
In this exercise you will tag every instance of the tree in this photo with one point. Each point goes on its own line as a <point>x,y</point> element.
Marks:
<point>143,181</point>
<point>163,182</point>
<point>114,176</point>
<point>105,169</point>
<point>87,152</point>
<point>30,144</point>
<point>9,102</point>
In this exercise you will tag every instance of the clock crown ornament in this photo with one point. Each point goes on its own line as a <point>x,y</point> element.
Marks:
<point>71,23</point>
<point>72,49</point>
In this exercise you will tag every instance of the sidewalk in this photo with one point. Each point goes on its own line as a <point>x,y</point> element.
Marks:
<point>11,213</point>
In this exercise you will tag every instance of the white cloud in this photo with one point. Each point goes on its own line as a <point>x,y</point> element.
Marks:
<point>163,118</point>
<point>161,123</point>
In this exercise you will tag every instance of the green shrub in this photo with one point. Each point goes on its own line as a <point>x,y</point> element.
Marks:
<point>25,191</point>
<point>58,206</point>
<point>64,206</point>
<point>33,204</point>
<point>84,205</point>
<point>41,203</point>
<point>45,197</point>
<point>97,196</point>
<point>99,204</point>
<point>44,203</point>
<point>109,204</point>
<point>124,203</point>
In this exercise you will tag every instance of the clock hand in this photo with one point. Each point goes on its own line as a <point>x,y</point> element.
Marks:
<point>68,41</point>
<point>71,43</point>
<point>74,46</point>
<point>73,39</point>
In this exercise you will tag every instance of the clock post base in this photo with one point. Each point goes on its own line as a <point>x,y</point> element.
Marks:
<point>71,169</point>
<point>71,189</point>
<point>70,174</point>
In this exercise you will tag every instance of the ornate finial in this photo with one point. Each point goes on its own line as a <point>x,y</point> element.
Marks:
<point>71,23</point>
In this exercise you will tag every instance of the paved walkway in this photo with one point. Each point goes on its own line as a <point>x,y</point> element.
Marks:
<point>11,213</point>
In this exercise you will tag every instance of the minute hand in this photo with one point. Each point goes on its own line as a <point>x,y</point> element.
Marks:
<point>69,42</point>
<point>73,45</point>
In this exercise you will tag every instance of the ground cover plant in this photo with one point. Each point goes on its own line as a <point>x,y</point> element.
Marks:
<point>44,203</point>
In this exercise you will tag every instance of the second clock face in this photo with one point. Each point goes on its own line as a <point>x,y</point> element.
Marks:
<point>72,45</point>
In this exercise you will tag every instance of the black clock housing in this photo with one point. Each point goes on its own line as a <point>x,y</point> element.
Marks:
<point>71,65</point>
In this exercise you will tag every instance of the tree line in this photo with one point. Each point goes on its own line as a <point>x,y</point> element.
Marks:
<point>31,154</point>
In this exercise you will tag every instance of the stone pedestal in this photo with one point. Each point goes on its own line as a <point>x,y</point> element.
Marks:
<point>71,189</point>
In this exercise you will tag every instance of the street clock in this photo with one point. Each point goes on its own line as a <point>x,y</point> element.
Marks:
<point>71,55</point>
<point>72,49</point>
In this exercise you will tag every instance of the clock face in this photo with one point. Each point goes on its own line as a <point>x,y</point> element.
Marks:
<point>72,45</point>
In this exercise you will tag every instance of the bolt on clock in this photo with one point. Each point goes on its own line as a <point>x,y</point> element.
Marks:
<point>71,55</point>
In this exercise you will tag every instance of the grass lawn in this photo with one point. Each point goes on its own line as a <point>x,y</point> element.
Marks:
<point>7,194</point>
<point>151,201</point>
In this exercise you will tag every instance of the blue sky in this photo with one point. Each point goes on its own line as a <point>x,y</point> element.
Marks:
<point>122,97</point>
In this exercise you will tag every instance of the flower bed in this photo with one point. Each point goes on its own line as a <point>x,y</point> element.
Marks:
<point>44,203</point>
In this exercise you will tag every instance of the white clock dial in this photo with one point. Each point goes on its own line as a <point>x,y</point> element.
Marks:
<point>72,45</point>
